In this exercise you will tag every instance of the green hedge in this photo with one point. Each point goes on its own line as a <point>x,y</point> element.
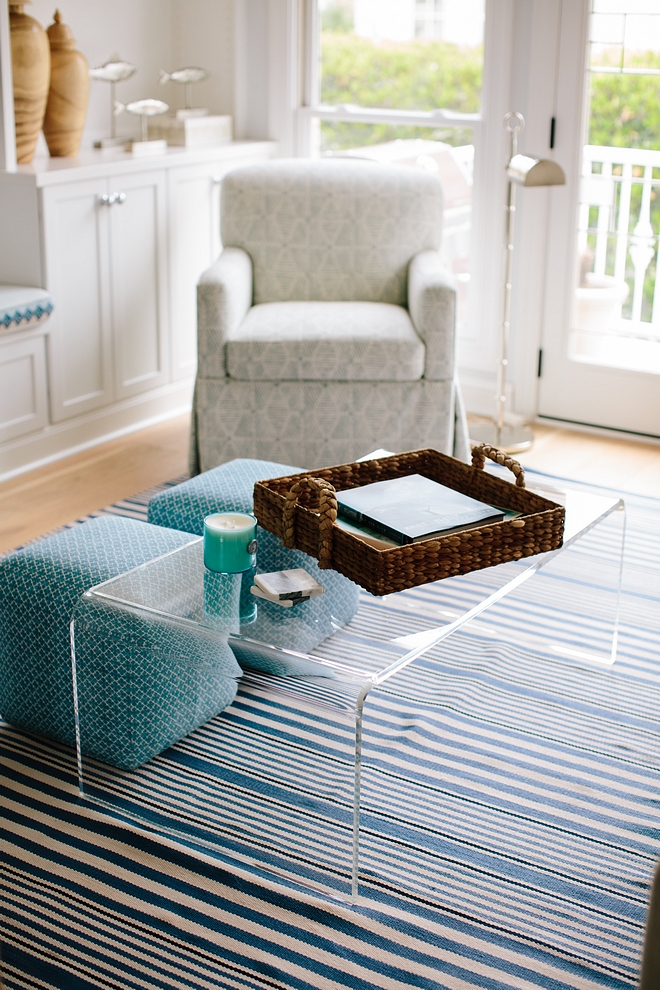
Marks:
<point>423,75</point>
<point>414,76</point>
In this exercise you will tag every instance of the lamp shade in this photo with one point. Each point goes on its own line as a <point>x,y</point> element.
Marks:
<point>535,171</point>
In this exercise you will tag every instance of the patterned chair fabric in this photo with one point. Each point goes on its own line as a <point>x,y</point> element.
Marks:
<point>330,281</point>
<point>229,488</point>
<point>142,684</point>
<point>331,230</point>
<point>23,306</point>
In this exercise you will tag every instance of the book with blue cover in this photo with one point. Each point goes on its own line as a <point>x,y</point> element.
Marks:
<point>414,508</point>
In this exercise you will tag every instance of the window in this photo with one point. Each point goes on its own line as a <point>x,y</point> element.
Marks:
<point>400,81</point>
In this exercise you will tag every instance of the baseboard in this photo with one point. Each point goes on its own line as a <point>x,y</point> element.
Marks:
<point>64,439</point>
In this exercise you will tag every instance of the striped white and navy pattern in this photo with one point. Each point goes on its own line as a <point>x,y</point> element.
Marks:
<point>511,818</point>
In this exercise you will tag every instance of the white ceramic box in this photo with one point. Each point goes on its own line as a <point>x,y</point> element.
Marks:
<point>192,132</point>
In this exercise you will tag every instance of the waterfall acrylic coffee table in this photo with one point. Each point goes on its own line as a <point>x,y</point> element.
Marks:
<point>275,786</point>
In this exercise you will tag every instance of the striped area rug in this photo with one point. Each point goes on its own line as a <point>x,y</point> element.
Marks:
<point>511,813</point>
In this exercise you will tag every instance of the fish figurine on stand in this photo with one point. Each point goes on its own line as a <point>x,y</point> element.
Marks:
<point>186,77</point>
<point>113,71</point>
<point>144,109</point>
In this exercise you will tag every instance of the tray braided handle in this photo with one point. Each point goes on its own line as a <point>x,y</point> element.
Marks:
<point>327,516</point>
<point>483,450</point>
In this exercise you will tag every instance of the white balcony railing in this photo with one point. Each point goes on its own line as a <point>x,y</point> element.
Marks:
<point>616,225</point>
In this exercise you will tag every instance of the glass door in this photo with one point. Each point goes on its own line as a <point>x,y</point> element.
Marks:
<point>600,361</point>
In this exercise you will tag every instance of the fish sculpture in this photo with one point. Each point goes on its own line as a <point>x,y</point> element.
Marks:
<point>144,109</point>
<point>184,76</point>
<point>113,71</point>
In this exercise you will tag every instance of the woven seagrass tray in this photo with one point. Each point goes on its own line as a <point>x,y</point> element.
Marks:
<point>301,510</point>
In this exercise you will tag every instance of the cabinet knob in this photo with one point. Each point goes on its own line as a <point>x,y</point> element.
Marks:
<point>109,199</point>
<point>216,180</point>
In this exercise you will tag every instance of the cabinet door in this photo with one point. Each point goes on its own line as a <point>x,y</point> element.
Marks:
<point>138,273</point>
<point>194,243</point>
<point>23,406</point>
<point>76,258</point>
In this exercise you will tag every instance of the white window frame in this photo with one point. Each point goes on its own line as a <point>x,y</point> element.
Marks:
<point>312,109</point>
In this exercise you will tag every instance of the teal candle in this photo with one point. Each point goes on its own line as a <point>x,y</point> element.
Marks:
<point>230,544</point>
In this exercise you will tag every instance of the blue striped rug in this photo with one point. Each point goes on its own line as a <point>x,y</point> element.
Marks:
<point>510,829</point>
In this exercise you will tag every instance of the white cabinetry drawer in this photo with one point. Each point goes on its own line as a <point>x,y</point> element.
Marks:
<point>23,401</point>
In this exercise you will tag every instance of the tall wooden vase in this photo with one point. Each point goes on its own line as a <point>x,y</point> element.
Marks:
<point>69,92</point>
<point>30,63</point>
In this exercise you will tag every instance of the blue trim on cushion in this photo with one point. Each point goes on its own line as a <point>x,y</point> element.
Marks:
<point>26,315</point>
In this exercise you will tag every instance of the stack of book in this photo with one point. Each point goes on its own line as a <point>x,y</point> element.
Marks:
<point>408,510</point>
<point>286,588</point>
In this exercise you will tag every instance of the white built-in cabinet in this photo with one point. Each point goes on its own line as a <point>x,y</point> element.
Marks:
<point>120,243</point>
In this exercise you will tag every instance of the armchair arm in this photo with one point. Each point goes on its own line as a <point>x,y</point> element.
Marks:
<point>432,308</point>
<point>224,295</point>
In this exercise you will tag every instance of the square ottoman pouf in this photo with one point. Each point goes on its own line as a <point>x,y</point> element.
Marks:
<point>229,488</point>
<point>142,684</point>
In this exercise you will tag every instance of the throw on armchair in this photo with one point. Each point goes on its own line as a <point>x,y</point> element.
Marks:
<point>326,328</point>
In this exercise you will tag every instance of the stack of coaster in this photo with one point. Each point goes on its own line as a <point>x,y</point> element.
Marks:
<point>286,588</point>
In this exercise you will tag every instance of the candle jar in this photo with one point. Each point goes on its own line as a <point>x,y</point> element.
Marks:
<point>230,544</point>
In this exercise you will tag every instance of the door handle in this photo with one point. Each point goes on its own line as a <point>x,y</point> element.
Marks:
<point>216,180</point>
<point>105,200</point>
<point>120,197</point>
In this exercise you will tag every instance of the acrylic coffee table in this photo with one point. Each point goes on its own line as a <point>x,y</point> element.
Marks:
<point>273,786</point>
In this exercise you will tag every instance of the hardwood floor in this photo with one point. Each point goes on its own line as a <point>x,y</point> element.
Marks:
<point>624,464</point>
<point>39,501</point>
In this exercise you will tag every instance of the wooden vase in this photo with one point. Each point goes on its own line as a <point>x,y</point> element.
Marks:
<point>30,62</point>
<point>68,94</point>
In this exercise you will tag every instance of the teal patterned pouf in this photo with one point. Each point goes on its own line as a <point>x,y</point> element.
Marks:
<point>230,488</point>
<point>136,695</point>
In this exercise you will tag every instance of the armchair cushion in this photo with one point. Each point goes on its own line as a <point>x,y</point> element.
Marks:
<point>325,341</point>
<point>432,305</point>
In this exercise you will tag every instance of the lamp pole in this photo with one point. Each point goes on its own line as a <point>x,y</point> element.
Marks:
<point>509,438</point>
<point>513,124</point>
<point>523,171</point>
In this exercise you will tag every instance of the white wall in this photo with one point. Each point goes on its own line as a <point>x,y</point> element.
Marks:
<point>203,34</point>
<point>252,54</point>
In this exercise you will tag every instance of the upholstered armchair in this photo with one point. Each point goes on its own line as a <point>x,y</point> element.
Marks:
<point>326,328</point>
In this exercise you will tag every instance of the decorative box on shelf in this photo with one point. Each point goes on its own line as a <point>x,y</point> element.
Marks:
<point>302,509</point>
<point>190,130</point>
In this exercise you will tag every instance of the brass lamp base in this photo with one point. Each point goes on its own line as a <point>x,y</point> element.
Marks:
<point>510,439</point>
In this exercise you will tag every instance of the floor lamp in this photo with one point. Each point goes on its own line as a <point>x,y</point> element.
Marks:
<point>521,171</point>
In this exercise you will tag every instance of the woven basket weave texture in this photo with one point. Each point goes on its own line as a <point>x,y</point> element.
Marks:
<point>301,511</point>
